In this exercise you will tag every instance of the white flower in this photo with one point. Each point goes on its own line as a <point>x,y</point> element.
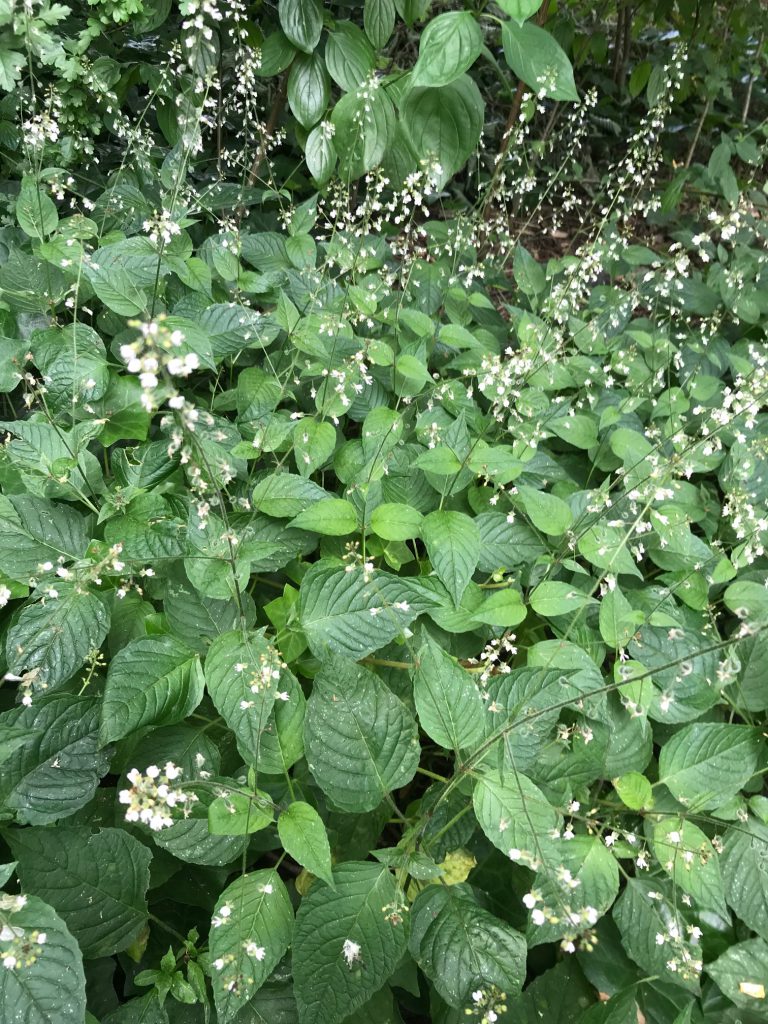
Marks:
<point>530,899</point>
<point>350,951</point>
<point>537,916</point>
<point>5,596</point>
<point>258,952</point>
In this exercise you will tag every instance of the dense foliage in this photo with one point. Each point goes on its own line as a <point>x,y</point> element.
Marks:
<point>383,512</point>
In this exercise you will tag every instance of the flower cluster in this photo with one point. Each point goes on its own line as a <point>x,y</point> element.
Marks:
<point>19,948</point>
<point>152,798</point>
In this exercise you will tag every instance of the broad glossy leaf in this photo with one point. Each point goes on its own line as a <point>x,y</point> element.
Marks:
<point>52,989</point>
<point>344,947</point>
<point>448,46</point>
<point>514,813</point>
<point>302,22</point>
<point>243,675</point>
<point>453,545</point>
<point>379,21</point>
<point>249,940</point>
<point>537,58</point>
<point>741,972</point>
<point>58,769</point>
<point>96,882</point>
<point>744,866</point>
<point>448,702</point>
<point>355,614</point>
<point>706,763</point>
<point>595,869</point>
<point>348,55</point>
<point>361,741</point>
<point>151,681</point>
<point>444,124</point>
<point>689,858</point>
<point>643,913</point>
<point>53,637</point>
<point>308,88</point>
<point>34,531</point>
<point>461,947</point>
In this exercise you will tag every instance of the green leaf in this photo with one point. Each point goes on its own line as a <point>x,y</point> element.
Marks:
<point>96,882</point>
<point>354,614</point>
<point>547,512</point>
<point>34,531</point>
<point>239,814</point>
<point>519,10</point>
<point>607,547</point>
<point>151,681</point>
<point>117,291</point>
<point>314,441</point>
<point>461,947</point>
<point>705,764</point>
<point>444,124</point>
<point>243,674</point>
<point>448,46</point>
<point>514,813</point>
<point>745,873</point>
<point>11,63</point>
<point>551,599</point>
<point>594,868</point>
<point>51,990</point>
<point>349,56</point>
<point>689,858</point>
<point>618,619</point>
<point>452,541</point>
<point>741,973</point>
<point>58,769</point>
<point>448,702</point>
<point>331,517</point>
<point>308,88</point>
<point>538,60</point>
<point>393,521</point>
<point>634,791</point>
<point>365,124</point>
<point>379,21</point>
<point>320,154</point>
<point>361,741</point>
<point>304,838</point>
<point>53,637</point>
<point>642,913</point>
<point>344,948</point>
<point>248,942</point>
<point>302,22</point>
<point>285,495</point>
<point>35,210</point>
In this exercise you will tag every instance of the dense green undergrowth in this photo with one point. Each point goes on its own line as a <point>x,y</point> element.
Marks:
<point>383,511</point>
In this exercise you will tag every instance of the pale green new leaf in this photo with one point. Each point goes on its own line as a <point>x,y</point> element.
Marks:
<point>304,838</point>
<point>361,741</point>
<point>248,942</point>
<point>344,947</point>
<point>537,58</point>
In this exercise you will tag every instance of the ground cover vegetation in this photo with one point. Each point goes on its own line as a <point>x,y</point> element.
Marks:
<point>383,511</point>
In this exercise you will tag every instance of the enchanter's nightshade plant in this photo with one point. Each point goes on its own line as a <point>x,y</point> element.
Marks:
<point>383,491</point>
